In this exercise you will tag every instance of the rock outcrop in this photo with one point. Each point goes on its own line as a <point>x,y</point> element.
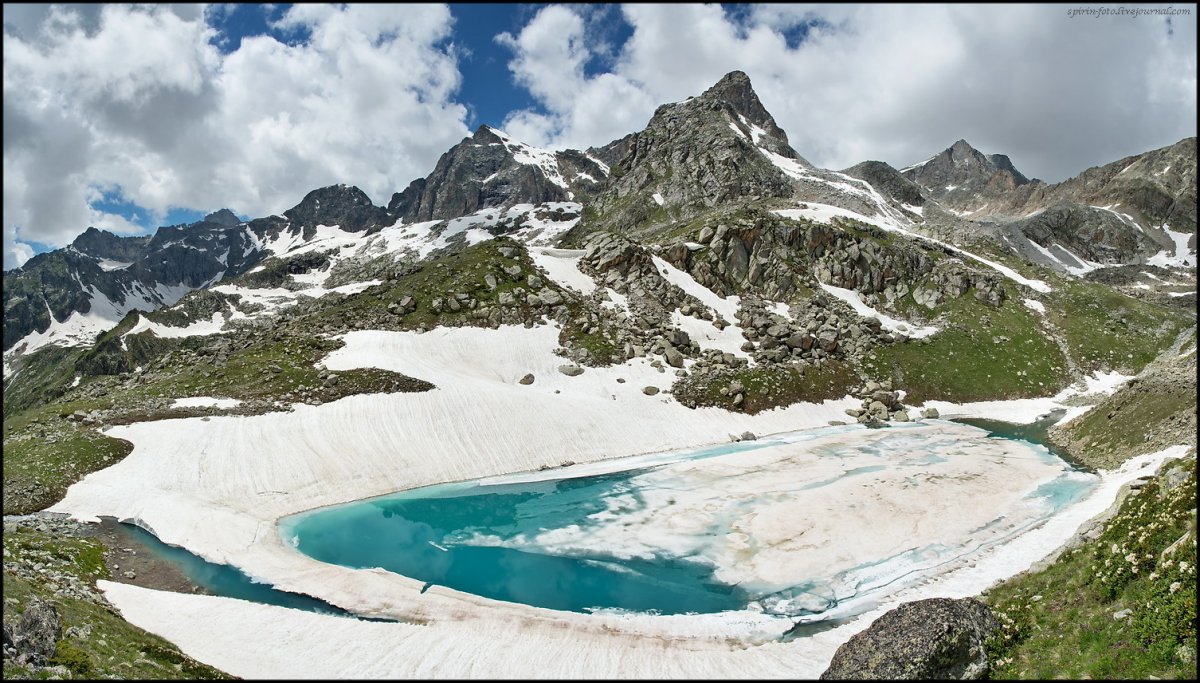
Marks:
<point>938,638</point>
<point>32,639</point>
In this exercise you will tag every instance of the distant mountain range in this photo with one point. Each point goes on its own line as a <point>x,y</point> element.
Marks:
<point>721,148</point>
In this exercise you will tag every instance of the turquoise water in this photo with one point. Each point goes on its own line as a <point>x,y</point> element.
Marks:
<point>1032,432</point>
<point>224,580</point>
<point>422,534</point>
<point>536,542</point>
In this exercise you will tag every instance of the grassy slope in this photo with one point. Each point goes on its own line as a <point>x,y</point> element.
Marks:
<point>768,387</point>
<point>96,642</point>
<point>44,453</point>
<point>966,362</point>
<point>1108,330</point>
<point>1058,623</point>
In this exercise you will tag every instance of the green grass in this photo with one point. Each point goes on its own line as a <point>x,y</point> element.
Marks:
<point>1106,330</point>
<point>1058,622</point>
<point>1122,424</point>
<point>40,378</point>
<point>37,473</point>
<point>963,362</point>
<point>96,642</point>
<point>768,387</point>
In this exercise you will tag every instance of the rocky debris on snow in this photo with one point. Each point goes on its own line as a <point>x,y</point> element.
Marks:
<point>879,404</point>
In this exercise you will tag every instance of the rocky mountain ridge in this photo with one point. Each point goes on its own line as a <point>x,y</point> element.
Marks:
<point>719,149</point>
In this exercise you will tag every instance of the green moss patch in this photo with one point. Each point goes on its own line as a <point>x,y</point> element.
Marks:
<point>981,354</point>
<point>1106,330</point>
<point>767,387</point>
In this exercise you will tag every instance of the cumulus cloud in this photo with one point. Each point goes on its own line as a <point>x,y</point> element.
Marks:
<point>95,97</point>
<point>895,83</point>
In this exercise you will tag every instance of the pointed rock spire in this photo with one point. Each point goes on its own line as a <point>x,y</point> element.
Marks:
<point>222,217</point>
<point>735,88</point>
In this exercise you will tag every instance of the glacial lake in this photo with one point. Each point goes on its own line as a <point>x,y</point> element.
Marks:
<point>752,525</point>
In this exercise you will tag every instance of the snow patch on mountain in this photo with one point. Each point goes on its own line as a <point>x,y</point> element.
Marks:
<point>889,323</point>
<point>205,402</point>
<point>1066,259</point>
<point>81,329</point>
<point>1182,258</point>
<point>562,266</point>
<point>215,325</point>
<point>533,156</point>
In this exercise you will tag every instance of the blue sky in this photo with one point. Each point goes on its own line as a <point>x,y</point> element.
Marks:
<point>130,117</point>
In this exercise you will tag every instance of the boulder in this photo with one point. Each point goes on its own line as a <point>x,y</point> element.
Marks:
<point>938,638</point>
<point>527,379</point>
<point>650,390</point>
<point>36,633</point>
<point>570,370</point>
<point>674,357</point>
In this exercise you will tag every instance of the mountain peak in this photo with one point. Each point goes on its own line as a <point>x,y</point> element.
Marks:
<point>342,205</point>
<point>962,147</point>
<point>735,89</point>
<point>222,217</point>
<point>486,135</point>
<point>964,168</point>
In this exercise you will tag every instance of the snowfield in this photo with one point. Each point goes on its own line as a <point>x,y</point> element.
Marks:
<point>218,487</point>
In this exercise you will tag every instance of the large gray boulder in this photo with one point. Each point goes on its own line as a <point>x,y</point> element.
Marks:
<point>36,633</point>
<point>938,638</point>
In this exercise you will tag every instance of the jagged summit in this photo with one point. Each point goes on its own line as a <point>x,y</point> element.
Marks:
<point>736,89</point>
<point>106,245</point>
<point>492,169</point>
<point>342,205</point>
<point>485,135</point>
<point>961,167</point>
<point>223,217</point>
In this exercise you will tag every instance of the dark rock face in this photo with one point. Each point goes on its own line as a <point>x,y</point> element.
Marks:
<point>694,155</point>
<point>104,244</point>
<point>342,205</point>
<point>735,89</point>
<point>889,182</point>
<point>490,169</point>
<point>937,638</point>
<point>1091,233</point>
<point>59,283</point>
<point>35,634</point>
<point>222,217</point>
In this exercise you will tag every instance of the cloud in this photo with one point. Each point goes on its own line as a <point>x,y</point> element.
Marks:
<point>895,83</point>
<point>95,99</point>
